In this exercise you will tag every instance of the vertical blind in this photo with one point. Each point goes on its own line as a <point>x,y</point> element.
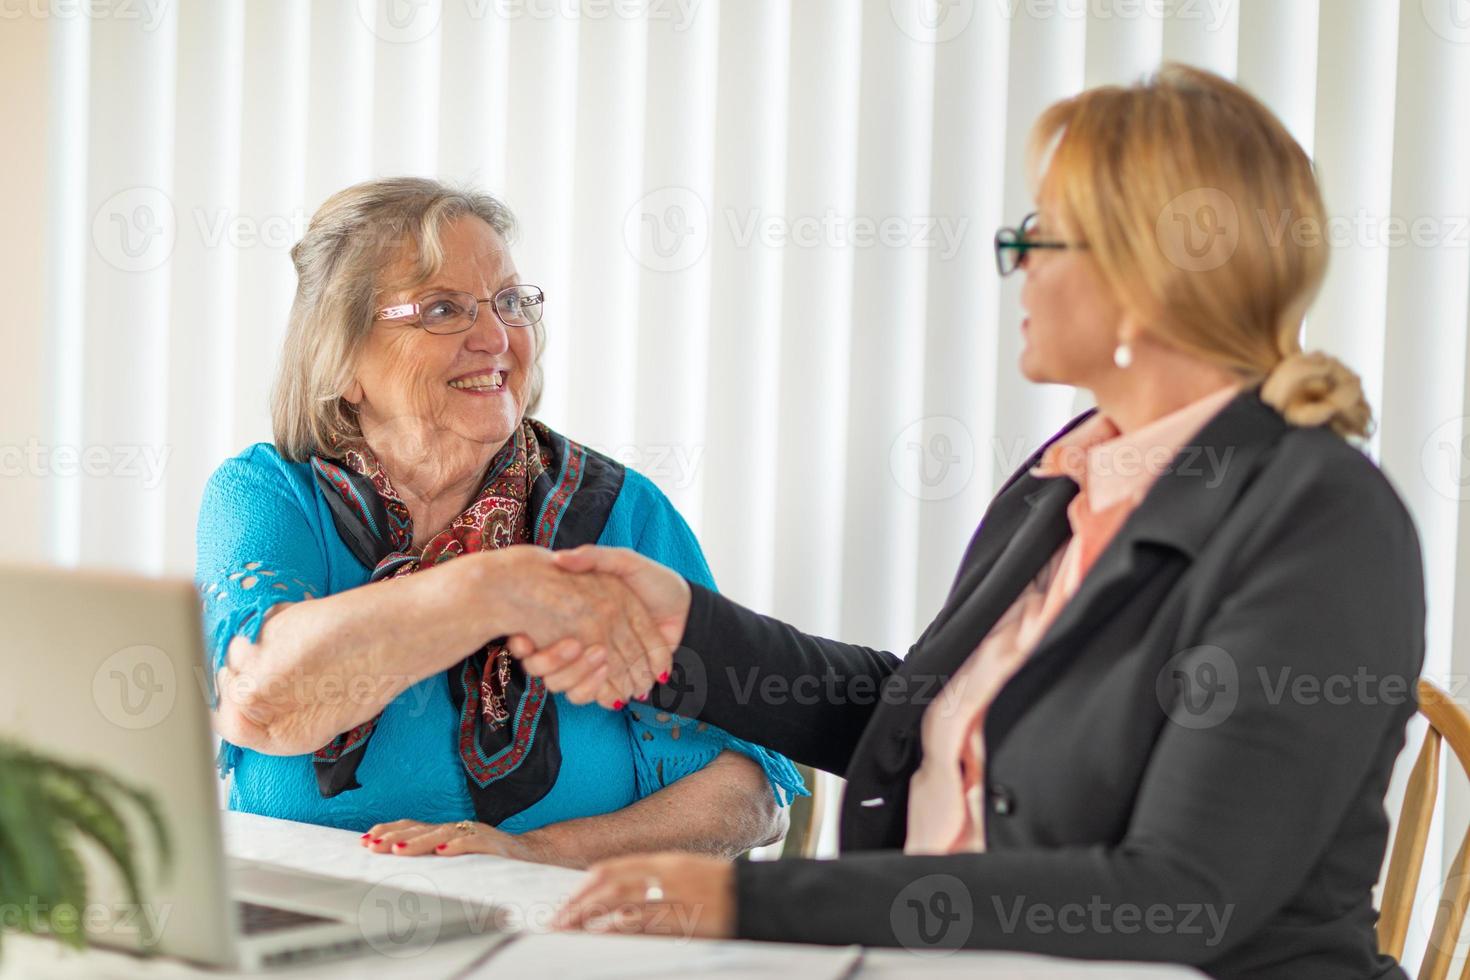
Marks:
<point>764,231</point>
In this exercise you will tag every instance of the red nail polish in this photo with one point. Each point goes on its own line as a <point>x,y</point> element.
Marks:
<point>401,844</point>
<point>377,840</point>
<point>441,847</point>
<point>617,705</point>
<point>366,836</point>
<point>664,677</point>
<point>640,697</point>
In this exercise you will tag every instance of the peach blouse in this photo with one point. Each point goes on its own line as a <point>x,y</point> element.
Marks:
<point>1113,472</point>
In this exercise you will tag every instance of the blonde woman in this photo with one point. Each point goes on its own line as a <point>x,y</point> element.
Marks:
<point>1102,746</point>
<point>360,572</point>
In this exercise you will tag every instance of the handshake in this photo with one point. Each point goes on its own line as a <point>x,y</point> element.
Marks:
<point>597,624</point>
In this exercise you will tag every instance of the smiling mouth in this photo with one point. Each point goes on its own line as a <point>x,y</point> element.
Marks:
<point>489,381</point>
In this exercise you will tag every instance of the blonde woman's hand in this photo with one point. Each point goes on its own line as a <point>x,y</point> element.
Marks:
<point>687,895</point>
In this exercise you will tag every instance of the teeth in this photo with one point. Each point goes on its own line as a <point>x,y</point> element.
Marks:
<point>480,382</point>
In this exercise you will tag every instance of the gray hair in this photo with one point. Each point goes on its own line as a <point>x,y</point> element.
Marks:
<point>351,238</point>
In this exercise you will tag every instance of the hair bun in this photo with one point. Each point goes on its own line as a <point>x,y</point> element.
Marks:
<point>1316,389</point>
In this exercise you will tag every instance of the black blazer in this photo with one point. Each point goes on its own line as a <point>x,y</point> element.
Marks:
<point>1190,767</point>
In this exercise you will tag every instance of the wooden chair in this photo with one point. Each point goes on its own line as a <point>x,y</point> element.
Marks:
<point>1447,722</point>
<point>806,819</point>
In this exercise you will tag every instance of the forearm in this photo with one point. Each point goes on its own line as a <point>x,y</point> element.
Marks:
<point>320,667</point>
<point>724,809</point>
<point>760,679</point>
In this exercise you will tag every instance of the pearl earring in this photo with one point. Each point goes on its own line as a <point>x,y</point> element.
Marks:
<point>1123,355</point>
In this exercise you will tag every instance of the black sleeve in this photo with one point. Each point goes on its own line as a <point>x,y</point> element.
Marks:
<point>759,679</point>
<point>1230,819</point>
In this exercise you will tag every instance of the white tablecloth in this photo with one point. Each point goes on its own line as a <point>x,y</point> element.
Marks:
<point>533,892</point>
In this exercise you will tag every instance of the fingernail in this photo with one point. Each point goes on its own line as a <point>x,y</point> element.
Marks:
<point>664,677</point>
<point>401,844</point>
<point>377,840</point>
<point>618,705</point>
<point>641,697</point>
<point>366,836</point>
<point>441,847</point>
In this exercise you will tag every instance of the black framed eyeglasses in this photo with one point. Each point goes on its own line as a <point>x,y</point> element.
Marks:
<point>1012,245</point>
<point>451,311</point>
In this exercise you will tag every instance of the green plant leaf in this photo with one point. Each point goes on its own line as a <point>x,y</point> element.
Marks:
<point>44,803</point>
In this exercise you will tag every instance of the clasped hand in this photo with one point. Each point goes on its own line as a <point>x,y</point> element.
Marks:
<point>599,623</point>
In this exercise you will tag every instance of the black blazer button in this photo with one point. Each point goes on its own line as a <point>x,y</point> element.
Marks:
<point>1002,800</point>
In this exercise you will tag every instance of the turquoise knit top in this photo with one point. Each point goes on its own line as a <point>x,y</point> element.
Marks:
<point>266,536</point>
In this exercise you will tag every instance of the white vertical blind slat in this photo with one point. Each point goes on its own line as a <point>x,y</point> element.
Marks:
<point>339,134</point>
<point>405,82</point>
<point>203,300</point>
<point>473,97</point>
<point>816,310</point>
<point>1354,159</point>
<point>947,462</point>
<point>125,353</point>
<point>1278,59</point>
<point>893,236</point>
<point>745,309</point>
<point>678,159</point>
<point>540,150</point>
<point>273,150</point>
<point>597,322</point>
<point>1122,49</point>
<point>68,244</point>
<point>1203,33</point>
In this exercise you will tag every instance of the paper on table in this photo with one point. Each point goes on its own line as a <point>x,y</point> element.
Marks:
<point>608,957</point>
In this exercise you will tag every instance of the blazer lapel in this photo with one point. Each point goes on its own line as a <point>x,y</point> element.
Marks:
<point>1169,527</point>
<point>1015,504</point>
<point>986,591</point>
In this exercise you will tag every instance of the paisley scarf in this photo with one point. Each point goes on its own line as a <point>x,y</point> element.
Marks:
<point>540,488</point>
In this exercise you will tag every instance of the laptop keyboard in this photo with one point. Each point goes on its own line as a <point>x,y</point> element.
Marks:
<point>257,919</point>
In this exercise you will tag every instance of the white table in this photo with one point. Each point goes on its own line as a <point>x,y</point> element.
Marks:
<point>532,892</point>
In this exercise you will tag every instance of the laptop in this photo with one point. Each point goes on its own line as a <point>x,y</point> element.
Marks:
<point>107,670</point>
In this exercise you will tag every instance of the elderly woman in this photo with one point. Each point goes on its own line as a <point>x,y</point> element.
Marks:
<point>1114,767</point>
<point>359,573</point>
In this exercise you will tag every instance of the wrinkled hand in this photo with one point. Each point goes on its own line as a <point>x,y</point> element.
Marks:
<point>411,838</point>
<point>665,598</point>
<point>600,641</point>
<point>686,895</point>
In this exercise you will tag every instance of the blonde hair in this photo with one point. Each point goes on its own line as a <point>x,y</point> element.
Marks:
<point>1140,172</point>
<point>339,262</point>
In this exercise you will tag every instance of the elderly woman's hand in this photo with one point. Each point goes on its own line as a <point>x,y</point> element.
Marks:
<point>411,838</point>
<point>685,895</point>
<point>598,641</point>
<point>664,595</point>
